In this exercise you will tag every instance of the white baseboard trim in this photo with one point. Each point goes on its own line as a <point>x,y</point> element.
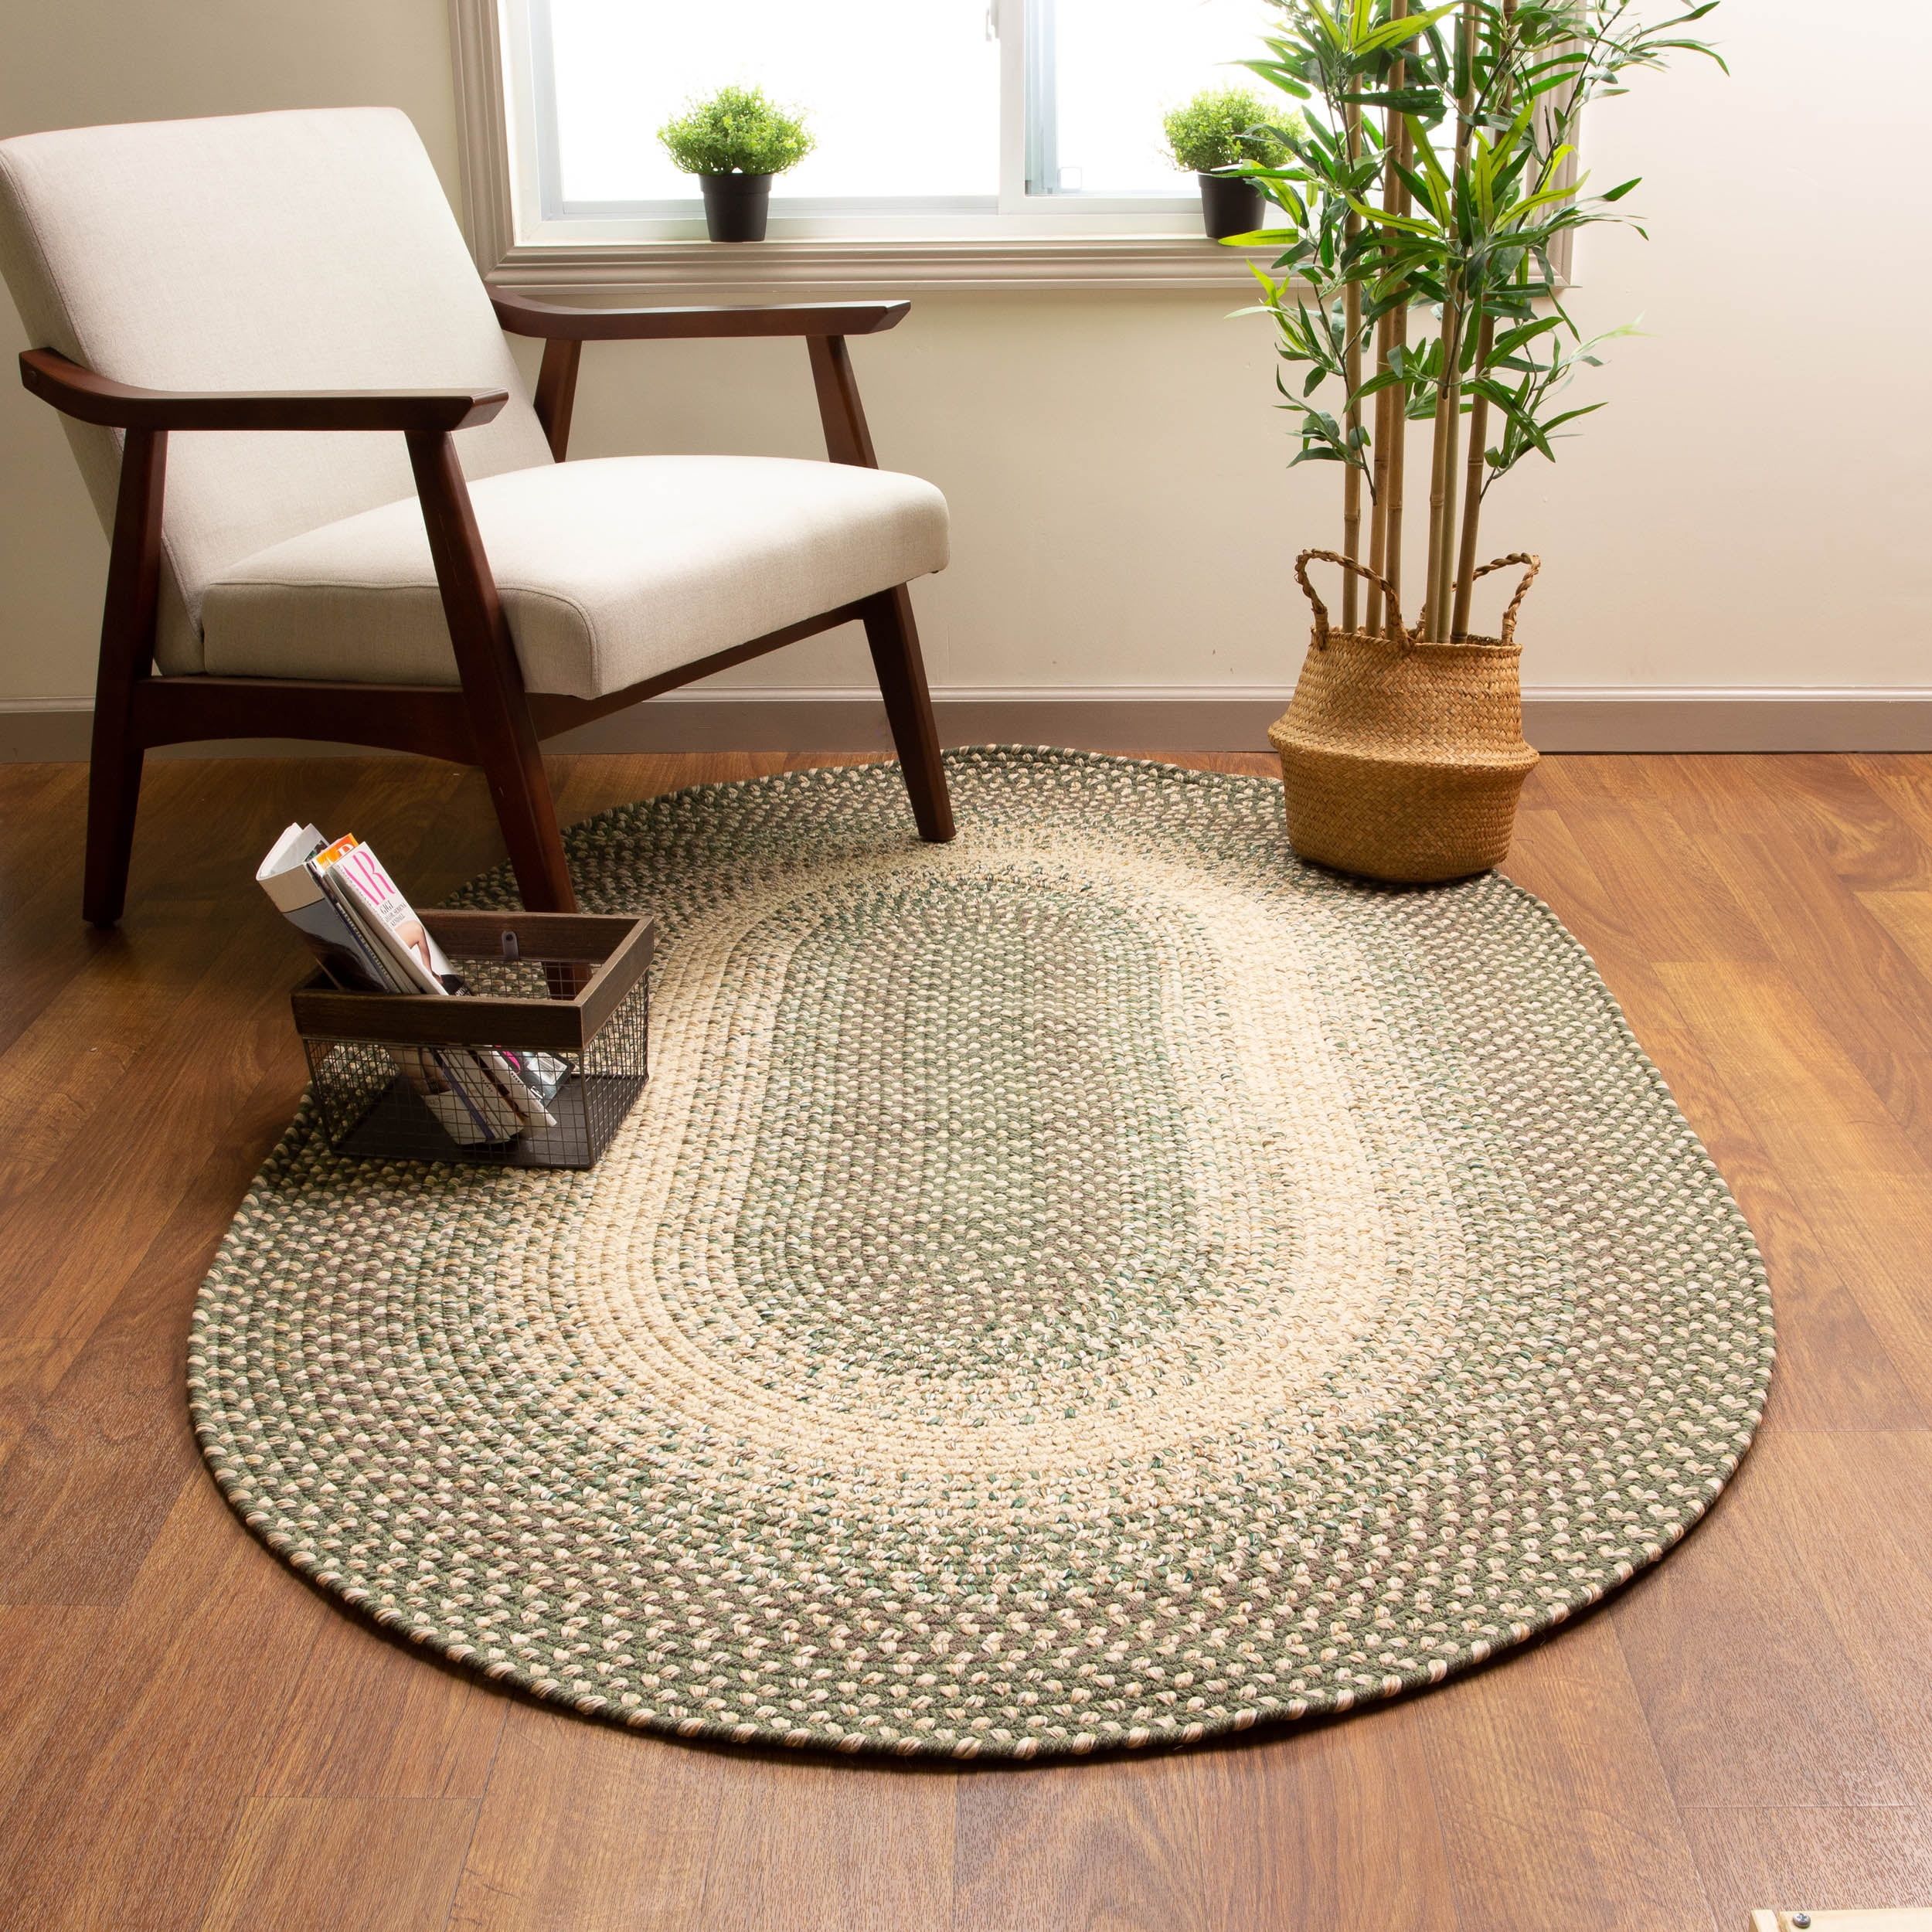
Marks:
<point>1607,718</point>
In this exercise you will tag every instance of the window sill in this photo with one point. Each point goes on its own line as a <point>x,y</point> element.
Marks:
<point>870,266</point>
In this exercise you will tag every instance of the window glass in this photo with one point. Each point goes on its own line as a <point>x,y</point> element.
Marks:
<point>1109,70</point>
<point>902,95</point>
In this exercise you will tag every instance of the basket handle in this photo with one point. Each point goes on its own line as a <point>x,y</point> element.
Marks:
<point>1361,570</point>
<point>1531,565</point>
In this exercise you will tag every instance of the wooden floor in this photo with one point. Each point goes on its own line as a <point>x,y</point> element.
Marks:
<point>190,1737</point>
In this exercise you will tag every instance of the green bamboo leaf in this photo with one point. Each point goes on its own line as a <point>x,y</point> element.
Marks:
<point>1402,224</point>
<point>1395,33</point>
<point>1692,46</point>
<point>1277,76</point>
<point>1513,410</point>
<point>1329,24</point>
<point>1404,101</point>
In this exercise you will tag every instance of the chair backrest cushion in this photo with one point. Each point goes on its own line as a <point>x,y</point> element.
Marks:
<point>311,250</point>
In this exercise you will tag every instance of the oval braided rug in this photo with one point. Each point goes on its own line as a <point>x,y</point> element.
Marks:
<point>1097,1284</point>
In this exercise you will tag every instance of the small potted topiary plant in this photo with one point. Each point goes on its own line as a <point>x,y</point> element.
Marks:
<point>734,142</point>
<point>1225,127</point>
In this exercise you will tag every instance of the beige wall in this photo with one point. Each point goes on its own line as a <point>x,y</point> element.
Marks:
<point>1749,511</point>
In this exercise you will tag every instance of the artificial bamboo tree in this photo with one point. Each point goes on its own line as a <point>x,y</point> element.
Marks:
<point>1431,172</point>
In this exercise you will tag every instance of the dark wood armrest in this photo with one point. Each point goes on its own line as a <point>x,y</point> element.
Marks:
<point>564,332</point>
<point>79,392</point>
<point>520,315</point>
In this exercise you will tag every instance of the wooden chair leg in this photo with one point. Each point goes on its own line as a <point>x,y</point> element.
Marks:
<point>126,651</point>
<point>894,639</point>
<point>493,693</point>
<point>113,793</point>
<point>526,812</point>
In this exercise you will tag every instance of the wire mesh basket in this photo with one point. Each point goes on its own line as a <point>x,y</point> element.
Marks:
<point>536,1065</point>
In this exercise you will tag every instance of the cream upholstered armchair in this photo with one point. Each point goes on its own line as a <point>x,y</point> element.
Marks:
<point>368,533</point>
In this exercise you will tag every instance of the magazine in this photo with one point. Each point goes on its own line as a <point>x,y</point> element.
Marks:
<point>351,870</point>
<point>368,938</point>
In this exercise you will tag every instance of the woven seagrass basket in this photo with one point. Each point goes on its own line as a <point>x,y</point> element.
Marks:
<point>1401,760</point>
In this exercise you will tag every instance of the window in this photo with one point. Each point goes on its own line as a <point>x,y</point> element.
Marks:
<point>902,95</point>
<point>984,123</point>
<point>1101,74</point>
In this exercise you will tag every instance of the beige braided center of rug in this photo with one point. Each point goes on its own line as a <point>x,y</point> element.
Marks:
<point>1097,1283</point>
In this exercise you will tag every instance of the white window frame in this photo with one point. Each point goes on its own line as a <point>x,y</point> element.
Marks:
<point>1017,240</point>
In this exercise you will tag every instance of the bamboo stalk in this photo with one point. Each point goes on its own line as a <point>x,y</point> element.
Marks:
<point>1472,488</point>
<point>1398,466</point>
<point>1478,413</point>
<point>1442,535</point>
<point>1385,407</point>
<point>1395,197</point>
<point>1442,591</point>
<point>1447,403</point>
<point>1351,410</point>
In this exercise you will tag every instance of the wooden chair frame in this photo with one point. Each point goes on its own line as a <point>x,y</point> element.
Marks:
<point>489,719</point>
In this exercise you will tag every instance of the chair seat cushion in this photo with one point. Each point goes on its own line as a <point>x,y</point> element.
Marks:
<point>611,571</point>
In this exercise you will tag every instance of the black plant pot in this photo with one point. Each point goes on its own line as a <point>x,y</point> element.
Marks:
<point>1230,205</point>
<point>736,206</point>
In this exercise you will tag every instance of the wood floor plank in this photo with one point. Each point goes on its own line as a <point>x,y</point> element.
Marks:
<point>65,1252</point>
<point>1837,805</point>
<point>1549,860</point>
<point>1120,1846</point>
<point>811,1847</point>
<point>1860,1507</point>
<point>45,1662</point>
<point>1876,1227</point>
<point>370,1718</point>
<point>1671,893</point>
<point>1833,1153</point>
<point>29,1367</point>
<point>1554,1807</point>
<point>23,786</point>
<point>43,940</point>
<point>1805,1098</point>
<point>104,1446</point>
<point>228,1030</point>
<point>45,946</point>
<point>1907,917</point>
<point>1296,1834</point>
<point>1585,778</point>
<point>1827,937</point>
<point>1267,1834</point>
<point>1836,1370</point>
<point>1749,1693</point>
<point>1814,1858</point>
<point>128,1814</point>
<point>1904,784</point>
<point>824,760</point>
<point>73,1057</point>
<point>1804,869</point>
<point>587,1829</point>
<point>341,1865</point>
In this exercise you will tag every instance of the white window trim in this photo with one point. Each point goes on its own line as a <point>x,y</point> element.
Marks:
<point>1079,242</point>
